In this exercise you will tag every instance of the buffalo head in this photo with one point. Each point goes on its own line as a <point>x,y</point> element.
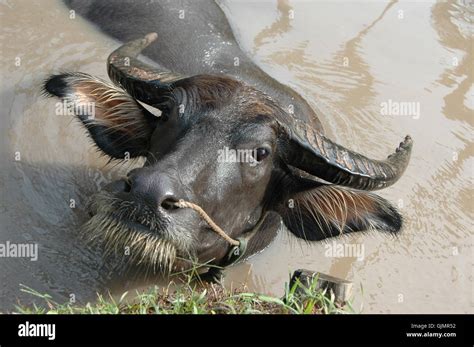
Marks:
<point>225,146</point>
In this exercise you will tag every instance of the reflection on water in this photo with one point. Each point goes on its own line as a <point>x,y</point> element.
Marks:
<point>346,58</point>
<point>455,33</point>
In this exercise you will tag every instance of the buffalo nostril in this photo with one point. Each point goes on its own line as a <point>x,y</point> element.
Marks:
<point>169,203</point>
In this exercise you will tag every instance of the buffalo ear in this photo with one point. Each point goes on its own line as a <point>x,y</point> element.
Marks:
<point>328,210</point>
<point>119,126</point>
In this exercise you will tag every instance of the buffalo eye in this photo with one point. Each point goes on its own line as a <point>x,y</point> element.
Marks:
<point>261,153</point>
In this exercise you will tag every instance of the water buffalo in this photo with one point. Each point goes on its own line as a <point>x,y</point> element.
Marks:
<point>209,106</point>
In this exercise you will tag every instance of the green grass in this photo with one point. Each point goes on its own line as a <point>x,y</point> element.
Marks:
<point>195,297</point>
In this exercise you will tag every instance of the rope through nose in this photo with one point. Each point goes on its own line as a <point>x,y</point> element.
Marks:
<point>186,204</point>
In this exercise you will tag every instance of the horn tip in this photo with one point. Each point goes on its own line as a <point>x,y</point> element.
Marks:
<point>407,143</point>
<point>404,147</point>
<point>150,37</point>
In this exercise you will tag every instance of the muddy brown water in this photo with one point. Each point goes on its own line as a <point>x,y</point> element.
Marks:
<point>352,59</point>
